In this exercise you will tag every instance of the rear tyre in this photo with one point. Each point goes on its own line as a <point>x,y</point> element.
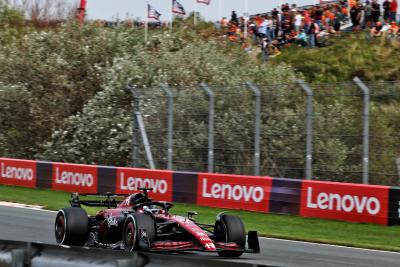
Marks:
<point>72,227</point>
<point>230,228</point>
<point>132,231</point>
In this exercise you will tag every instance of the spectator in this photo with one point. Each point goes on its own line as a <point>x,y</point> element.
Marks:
<point>275,25</point>
<point>233,30</point>
<point>376,31</point>
<point>265,49</point>
<point>336,23</point>
<point>386,10</point>
<point>376,11</point>
<point>302,39</point>
<point>272,25</point>
<point>306,20</point>
<point>275,12</point>
<point>234,18</point>
<point>367,15</point>
<point>313,31</point>
<point>355,15</point>
<point>393,31</point>
<point>224,22</point>
<point>253,31</point>
<point>393,10</point>
<point>275,50</point>
<point>298,21</point>
<point>310,27</point>
<point>285,8</point>
<point>262,28</point>
<point>318,15</point>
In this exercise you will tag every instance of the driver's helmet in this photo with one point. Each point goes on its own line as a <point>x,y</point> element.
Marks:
<point>137,199</point>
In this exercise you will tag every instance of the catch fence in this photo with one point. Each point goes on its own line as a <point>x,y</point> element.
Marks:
<point>339,132</point>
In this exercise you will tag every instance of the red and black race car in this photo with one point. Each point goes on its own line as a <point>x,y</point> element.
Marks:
<point>139,223</point>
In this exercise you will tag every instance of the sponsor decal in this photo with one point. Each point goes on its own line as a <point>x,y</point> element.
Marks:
<point>112,221</point>
<point>74,178</point>
<point>129,180</point>
<point>18,172</point>
<point>234,191</point>
<point>342,201</point>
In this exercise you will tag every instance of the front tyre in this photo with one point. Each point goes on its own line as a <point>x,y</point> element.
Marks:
<point>230,228</point>
<point>132,231</point>
<point>71,227</point>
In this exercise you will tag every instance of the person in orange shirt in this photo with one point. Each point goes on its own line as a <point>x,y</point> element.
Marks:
<point>345,11</point>
<point>329,17</point>
<point>232,34</point>
<point>393,30</point>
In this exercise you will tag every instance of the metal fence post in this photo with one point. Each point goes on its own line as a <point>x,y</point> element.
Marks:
<point>135,126</point>
<point>309,128</point>
<point>145,140</point>
<point>257,128</point>
<point>398,169</point>
<point>138,124</point>
<point>170,125</point>
<point>365,161</point>
<point>211,112</point>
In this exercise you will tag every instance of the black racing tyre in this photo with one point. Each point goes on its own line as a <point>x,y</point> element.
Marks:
<point>230,228</point>
<point>72,226</point>
<point>131,230</point>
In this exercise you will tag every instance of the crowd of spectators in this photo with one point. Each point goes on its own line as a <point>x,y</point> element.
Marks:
<point>311,26</point>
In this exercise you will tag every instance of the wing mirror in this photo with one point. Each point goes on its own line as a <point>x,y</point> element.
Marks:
<point>190,214</point>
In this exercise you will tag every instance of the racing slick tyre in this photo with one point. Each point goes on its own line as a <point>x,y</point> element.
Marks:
<point>139,232</point>
<point>72,226</point>
<point>230,228</point>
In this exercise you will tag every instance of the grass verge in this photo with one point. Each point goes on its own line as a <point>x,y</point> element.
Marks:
<point>268,225</point>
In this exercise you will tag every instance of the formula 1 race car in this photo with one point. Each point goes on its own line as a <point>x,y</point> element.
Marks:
<point>139,223</point>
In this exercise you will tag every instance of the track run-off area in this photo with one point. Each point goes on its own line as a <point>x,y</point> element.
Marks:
<point>35,225</point>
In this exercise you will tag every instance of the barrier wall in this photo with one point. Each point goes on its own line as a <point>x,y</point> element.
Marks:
<point>328,200</point>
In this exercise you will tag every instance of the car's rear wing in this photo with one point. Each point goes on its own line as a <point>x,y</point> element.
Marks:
<point>109,202</point>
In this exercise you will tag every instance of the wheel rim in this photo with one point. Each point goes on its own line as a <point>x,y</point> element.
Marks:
<point>130,235</point>
<point>60,229</point>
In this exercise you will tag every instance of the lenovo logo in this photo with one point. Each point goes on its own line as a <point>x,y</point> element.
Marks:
<point>232,192</point>
<point>346,203</point>
<point>74,178</point>
<point>24,174</point>
<point>133,183</point>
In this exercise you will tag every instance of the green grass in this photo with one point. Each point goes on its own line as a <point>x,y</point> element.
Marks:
<point>270,225</point>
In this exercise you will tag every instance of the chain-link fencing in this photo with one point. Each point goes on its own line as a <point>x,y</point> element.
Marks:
<point>336,132</point>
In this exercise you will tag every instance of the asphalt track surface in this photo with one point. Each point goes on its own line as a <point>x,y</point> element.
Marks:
<point>22,224</point>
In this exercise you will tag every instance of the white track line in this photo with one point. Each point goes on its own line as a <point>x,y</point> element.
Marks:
<point>330,245</point>
<point>23,206</point>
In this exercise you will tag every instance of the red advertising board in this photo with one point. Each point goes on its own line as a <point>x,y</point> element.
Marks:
<point>18,172</point>
<point>234,191</point>
<point>347,202</point>
<point>74,178</point>
<point>130,179</point>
